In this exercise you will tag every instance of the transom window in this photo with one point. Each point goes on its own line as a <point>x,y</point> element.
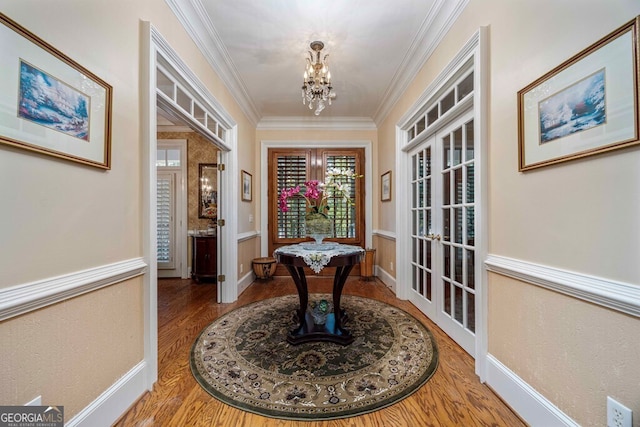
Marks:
<point>460,91</point>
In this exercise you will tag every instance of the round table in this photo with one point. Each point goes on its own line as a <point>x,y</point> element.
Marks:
<point>344,258</point>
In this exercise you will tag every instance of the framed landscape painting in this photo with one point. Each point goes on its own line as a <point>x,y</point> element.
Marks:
<point>585,106</point>
<point>50,103</point>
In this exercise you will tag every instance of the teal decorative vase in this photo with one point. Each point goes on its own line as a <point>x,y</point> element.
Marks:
<point>318,226</point>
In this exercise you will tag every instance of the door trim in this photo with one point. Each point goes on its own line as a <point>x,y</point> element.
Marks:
<point>153,48</point>
<point>474,50</point>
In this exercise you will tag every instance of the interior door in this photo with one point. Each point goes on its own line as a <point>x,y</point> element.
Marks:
<point>443,229</point>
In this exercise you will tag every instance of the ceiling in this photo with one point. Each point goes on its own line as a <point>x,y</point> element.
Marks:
<point>259,48</point>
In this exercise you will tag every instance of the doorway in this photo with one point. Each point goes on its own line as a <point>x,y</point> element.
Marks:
<point>441,214</point>
<point>171,212</point>
<point>162,74</point>
<point>443,255</point>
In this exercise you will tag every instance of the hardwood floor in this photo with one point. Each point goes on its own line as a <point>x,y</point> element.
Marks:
<point>452,397</point>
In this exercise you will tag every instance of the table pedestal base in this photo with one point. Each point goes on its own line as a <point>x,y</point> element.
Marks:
<point>332,330</point>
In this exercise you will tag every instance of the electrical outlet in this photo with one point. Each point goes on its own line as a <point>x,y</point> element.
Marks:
<point>391,264</point>
<point>241,268</point>
<point>618,415</point>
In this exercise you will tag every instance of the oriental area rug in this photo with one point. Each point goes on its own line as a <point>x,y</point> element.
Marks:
<point>244,360</point>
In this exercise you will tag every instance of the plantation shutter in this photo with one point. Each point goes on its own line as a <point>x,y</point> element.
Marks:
<point>165,193</point>
<point>291,167</point>
<point>343,213</point>
<point>291,171</point>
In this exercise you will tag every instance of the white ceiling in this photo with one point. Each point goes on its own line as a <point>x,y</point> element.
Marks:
<point>259,47</point>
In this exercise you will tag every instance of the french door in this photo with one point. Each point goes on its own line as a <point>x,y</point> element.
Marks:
<point>442,204</point>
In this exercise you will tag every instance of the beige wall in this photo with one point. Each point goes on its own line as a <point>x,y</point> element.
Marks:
<point>385,254</point>
<point>70,352</point>
<point>572,352</point>
<point>59,217</point>
<point>247,251</point>
<point>579,216</point>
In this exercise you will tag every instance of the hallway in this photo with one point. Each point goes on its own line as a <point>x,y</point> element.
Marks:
<point>452,397</point>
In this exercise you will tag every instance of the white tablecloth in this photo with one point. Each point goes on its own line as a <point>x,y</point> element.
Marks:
<point>317,256</point>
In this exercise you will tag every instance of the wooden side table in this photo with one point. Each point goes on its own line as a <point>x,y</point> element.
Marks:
<point>308,330</point>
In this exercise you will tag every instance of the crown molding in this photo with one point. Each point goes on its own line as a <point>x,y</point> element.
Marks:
<point>194,19</point>
<point>433,29</point>
<point>318,123</point>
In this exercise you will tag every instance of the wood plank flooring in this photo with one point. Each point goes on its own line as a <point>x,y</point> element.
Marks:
<point>452,397</point>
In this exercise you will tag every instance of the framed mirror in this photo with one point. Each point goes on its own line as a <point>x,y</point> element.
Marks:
<point>208,190</point>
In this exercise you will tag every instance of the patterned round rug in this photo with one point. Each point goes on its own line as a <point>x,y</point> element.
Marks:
<point>244,360</point>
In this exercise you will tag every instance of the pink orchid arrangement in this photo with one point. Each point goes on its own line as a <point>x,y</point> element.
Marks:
<point>316,193</point>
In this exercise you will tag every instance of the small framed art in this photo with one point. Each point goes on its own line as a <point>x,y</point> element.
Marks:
<point>247,185</point>
<point>385,186</point>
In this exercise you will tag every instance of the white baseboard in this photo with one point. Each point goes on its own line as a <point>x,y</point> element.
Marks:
<point>530,405</point>
<point>114,401</point>
<point>386,278</point>
<point>245,281</point>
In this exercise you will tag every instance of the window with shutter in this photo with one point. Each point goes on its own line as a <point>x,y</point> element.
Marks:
<point>291,167</point>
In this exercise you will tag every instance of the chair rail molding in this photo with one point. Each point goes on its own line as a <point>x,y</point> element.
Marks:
<point>385,234</point>
<point>27,297</point>
<point>619,296</point>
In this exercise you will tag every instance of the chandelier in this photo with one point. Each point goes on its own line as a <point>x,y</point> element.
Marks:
<point>316,86</point>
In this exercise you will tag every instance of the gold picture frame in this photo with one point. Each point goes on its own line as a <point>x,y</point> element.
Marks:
<point>585,106</point>
<point>54,105</point>
<point>208,190</point>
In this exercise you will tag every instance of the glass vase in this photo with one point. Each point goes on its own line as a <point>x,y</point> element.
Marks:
<point>318,226</point>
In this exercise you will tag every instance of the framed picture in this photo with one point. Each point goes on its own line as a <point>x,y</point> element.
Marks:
<point>247,186</point>
<point>586,105</point>
<point>50,103</point>
<point>385,186</point>
<point>208,190</point>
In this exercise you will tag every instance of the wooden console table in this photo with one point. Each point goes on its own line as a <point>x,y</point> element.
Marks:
<point>295,258</point>
<point>204,258</point>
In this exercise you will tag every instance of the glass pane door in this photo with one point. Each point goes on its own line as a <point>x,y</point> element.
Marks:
<point>443,207</point>
<point>422,224</point>
<point>458,232</point>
